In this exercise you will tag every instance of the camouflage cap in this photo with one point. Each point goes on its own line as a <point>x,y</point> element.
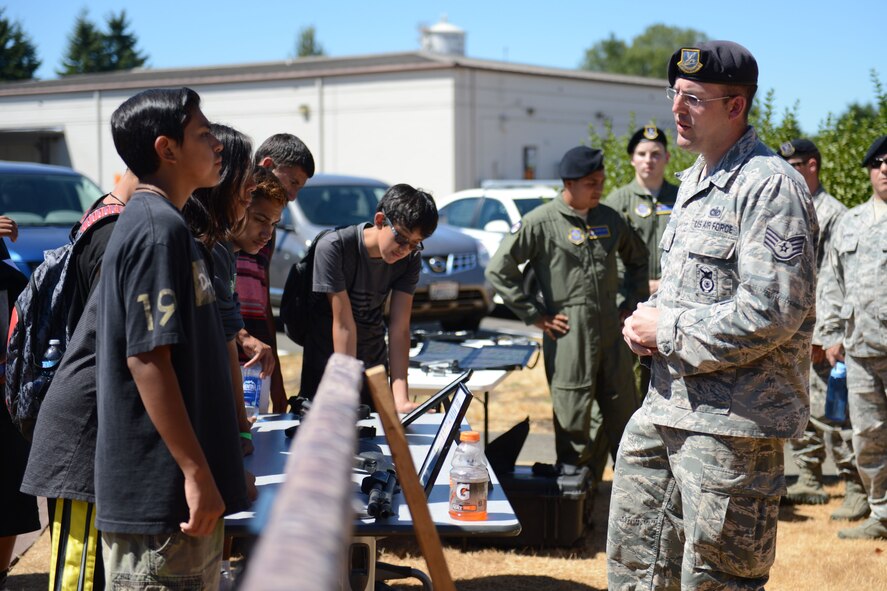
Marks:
<point>580,161</point>
<point>649,133</point>
<point>878,147</point>
<point>718,62</point>
<point>799,147</point>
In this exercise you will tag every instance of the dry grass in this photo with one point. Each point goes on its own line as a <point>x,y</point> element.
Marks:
<point>809,554</point>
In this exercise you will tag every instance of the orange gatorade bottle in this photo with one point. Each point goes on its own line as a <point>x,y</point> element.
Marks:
<point>469,479</point>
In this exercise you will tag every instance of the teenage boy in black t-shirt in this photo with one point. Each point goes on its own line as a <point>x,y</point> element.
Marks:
<point>168,460</point>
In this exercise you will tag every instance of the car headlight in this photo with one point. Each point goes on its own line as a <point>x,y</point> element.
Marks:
<point>483,255</point>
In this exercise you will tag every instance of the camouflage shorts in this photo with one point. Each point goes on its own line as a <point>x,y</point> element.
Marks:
<point>175,562</point>
<point>692,510</point>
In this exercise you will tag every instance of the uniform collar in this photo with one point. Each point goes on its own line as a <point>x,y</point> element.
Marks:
<point>726,168</point>
<point>566,210</point>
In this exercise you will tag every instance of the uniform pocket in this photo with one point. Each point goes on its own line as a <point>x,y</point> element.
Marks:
<point>709,274</point>
<point>735,528</point>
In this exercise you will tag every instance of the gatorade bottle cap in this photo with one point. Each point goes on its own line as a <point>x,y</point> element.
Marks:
<point>470,436</point>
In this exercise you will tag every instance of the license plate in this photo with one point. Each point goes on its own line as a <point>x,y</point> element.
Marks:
<point>443,290</point>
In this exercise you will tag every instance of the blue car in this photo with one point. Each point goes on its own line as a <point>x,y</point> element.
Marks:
<point>45,201</point>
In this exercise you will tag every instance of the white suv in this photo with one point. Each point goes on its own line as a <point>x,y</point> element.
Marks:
<point>489,212</point>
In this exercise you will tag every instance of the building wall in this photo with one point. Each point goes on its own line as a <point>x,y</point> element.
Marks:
<point>501,113</point>
<point>442,130</point>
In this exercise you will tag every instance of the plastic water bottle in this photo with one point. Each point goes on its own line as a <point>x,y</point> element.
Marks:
<point>252,390</point>
<point>469,479</point>
<point>836,395</point>
<point>50,363</point>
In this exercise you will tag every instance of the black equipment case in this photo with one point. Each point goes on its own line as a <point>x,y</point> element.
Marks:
<point>553,511</point>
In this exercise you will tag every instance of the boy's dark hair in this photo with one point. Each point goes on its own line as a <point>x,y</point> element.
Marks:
<point>411,209</point>
<point>269,187</point>
<point>285,149</point>
<point>142,118</point>
<point>210,211</point>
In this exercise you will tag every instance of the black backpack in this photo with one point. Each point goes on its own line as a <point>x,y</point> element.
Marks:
<point>41,314</point>
<point>299,304</point>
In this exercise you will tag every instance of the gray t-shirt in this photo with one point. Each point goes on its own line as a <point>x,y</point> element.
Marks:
<point>373,281</point>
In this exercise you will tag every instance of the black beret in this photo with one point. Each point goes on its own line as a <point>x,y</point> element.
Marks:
<point>649,133</point>
<point>878,147</point>
<point>798,146</point>
<point>718,62</point>
<point>580,162</point>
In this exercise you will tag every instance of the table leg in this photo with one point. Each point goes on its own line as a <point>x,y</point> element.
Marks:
<point>486,419</point>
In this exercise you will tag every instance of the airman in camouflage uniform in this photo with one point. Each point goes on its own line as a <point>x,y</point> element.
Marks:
<point>696,491</point>
<point>854,318</point>
<point>572,243</point>
<point>821,434</point>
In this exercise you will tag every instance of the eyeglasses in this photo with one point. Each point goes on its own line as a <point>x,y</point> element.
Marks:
<point>692,100</point>
<point>877,162</point>
<point>402,241</point>
<point>798,163</point>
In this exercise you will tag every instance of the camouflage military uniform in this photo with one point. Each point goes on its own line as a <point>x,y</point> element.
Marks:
<point>854,310</point>
<point>648,215</point>
<point>700,470</point>
<point>575,263</point>
<point>810,448</point>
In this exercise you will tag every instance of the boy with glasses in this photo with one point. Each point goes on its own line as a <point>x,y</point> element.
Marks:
<point>357,268</point>
<point>853,319</point>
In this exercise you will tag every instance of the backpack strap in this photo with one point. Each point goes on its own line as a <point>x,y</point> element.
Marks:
<point>90,218</point>
<point>350,242</point>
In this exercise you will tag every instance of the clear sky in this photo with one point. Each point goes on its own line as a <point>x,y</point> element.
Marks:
<point>818,53</point>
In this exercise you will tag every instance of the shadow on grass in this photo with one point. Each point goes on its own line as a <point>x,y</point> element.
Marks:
<point>788,513</point>
<point>522,583</point>
<point>29,582</point>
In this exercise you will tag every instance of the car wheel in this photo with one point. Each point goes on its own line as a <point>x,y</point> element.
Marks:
<point>531,285</point>
<point>468,323</point>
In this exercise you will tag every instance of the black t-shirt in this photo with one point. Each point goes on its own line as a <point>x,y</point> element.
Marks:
<point>62,460</point>
<point>156,291</point>
<point>373,281</point>
<point>224,283</point>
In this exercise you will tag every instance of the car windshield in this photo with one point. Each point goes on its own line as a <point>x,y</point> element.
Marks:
<point>46,199</point>
<point>340,205</point>
<point>524,206</point>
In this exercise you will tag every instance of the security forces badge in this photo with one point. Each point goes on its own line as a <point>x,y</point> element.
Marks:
<point>650,132</point>
<point>784,249</point>
<point>576,236</point>
<point>689,63</point>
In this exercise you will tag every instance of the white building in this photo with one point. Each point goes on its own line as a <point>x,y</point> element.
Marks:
<point>442,122</point>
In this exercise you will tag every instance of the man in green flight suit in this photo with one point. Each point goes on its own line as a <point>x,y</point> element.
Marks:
<point>648,199</point>
<point>572,243</point>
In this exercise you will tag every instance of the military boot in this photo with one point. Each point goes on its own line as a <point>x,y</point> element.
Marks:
<point>808,489</point>
<point>870,529</point>
<point>856,502</point>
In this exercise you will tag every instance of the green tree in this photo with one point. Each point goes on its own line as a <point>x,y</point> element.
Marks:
<point>119,45</point>
<point>85,51</point>
<point>646,55</point>
<point>307,44</point>
<point>18,56</point>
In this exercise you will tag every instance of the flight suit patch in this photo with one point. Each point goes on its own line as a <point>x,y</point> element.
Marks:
<point>576,236</point>
<point>663,209</point>
<point>598,232</point>
<point>643,210</point>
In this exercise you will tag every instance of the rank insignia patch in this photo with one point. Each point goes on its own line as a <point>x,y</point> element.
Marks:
<point>643,210</point>
<point>689,63</point>
<point>650,132</point>
<point>576,236</point>
<point>784,249</point>
<point>598,232</point>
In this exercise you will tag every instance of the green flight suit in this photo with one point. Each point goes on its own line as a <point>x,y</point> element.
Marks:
<point>575,265</point>
<point>648,215</point>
